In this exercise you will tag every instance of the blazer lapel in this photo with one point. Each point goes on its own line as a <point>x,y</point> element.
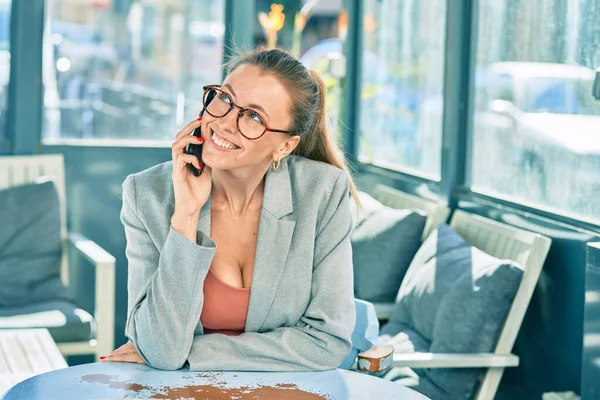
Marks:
<point>273,244</point>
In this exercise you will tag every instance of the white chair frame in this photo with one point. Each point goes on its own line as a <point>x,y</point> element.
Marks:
<point>16,170</point>
<point>528,249</point>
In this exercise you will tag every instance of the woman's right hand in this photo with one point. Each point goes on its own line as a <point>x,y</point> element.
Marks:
<point>191,192</point>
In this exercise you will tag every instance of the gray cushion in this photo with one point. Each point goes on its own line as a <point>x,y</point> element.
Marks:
<point>456,297</point>
<point>65,321</point>
<point>383,244</point>
<point>30,244</point>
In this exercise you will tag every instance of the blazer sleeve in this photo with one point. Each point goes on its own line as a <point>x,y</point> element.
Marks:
<point>164,287</point>
<point>321,338</point>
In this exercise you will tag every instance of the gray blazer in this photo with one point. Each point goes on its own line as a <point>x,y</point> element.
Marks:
<point>301,313</point>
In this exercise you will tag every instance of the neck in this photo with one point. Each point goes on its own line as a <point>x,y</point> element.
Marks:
<point>238,191</point>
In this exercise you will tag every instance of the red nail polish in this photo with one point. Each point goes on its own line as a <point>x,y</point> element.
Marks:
<point>199,118</point>
<point>200,139</point>
<point>199,165</point>
<point>102,358</point>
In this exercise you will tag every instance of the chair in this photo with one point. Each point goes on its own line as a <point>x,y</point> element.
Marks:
<point>436,214</point>
<point>16,170</point>
<point>502,241</point>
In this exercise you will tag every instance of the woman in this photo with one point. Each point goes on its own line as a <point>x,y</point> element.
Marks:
<point>255,270</point>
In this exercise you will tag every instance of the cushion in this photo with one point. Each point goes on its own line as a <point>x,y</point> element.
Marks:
<point>404,338</point>
<point>65,321</point>
<point>30,244</point>
<point>384,242</point>
<point>369,206</point>
<point>456,297</point>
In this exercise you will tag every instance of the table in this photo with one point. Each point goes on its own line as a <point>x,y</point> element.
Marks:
<point>26,352</point>
<point>119,380</point>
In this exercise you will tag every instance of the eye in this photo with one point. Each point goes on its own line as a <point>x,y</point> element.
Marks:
<point>224,98</point>
<point>254,116</point>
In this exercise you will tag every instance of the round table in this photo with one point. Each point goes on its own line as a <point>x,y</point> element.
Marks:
<point>119,380</point>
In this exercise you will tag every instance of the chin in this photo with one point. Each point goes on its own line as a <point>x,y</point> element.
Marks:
<point>217,163</point>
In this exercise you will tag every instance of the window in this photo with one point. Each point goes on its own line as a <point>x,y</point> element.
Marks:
<point>536,125</point>
<point>5,7</point>
<point>402,83</point>
<point>321,46</point>
<point>127,69</point>
<point>313,31</point>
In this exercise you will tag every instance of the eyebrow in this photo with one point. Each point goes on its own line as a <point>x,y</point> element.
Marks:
<point>228,86</point>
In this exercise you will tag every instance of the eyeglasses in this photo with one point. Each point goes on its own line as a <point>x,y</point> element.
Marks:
<point>250,124</point>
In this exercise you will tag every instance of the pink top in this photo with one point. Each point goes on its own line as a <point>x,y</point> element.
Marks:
<point>225,307</point>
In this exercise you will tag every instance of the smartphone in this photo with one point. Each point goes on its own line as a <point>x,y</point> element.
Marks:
<point>196,149</point>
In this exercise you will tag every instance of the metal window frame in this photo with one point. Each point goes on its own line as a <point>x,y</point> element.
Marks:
<point>25,89</point>
<point>25,105</point>
<point>351,83</point>
<point>25,97</point>
<point>454,185</point>
<point>240,21</point>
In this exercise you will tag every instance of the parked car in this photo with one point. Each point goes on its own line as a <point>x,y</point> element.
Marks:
<point>536,132</point>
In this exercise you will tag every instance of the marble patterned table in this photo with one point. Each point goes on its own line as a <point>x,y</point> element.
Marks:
<point>126,380</point>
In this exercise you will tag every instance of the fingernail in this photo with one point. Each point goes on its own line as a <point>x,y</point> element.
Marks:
<point>199,165</point>
<point>199,118</point>
<point>200,139</point>
<point>102,358</point>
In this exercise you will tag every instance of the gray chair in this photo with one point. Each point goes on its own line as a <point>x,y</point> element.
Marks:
<point>19,170</point>
<point>529,251</point>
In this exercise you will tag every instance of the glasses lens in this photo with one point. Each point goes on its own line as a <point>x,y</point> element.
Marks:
<point>251,124</point>
<point>217,103</point>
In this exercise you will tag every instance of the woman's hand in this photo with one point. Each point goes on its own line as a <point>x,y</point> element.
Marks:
<point>191,192</point>
<point>125,353</point>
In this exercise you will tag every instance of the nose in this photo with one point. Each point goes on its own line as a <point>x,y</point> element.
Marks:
<point>228,123</point>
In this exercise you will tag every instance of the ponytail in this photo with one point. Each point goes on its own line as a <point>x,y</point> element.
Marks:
<point>317,144</point>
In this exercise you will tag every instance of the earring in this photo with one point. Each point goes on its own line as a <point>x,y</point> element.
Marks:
<point>275,165</point>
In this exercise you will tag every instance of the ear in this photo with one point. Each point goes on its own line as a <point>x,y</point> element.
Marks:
<point>287,146</point>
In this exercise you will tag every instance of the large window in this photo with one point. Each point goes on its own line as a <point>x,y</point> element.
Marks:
<point>5,6</point>
<point>314,32</point>
<point>402,82</point>
<point>536,126</point>
<point>320,47</point>
<point>127,69</point>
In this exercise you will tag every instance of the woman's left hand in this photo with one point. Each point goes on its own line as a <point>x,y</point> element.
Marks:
<point>125,353</point>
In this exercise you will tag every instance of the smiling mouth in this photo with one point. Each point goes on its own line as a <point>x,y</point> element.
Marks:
<point>222,143</point>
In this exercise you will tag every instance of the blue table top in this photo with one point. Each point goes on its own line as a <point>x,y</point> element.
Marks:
<point>120,380</point>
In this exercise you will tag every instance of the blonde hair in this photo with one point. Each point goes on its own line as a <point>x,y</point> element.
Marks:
<point>308,92</point>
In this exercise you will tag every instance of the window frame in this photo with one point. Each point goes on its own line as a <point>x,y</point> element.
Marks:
<point>454,185</point>
<point>25,105</point>
<point>25,99</point>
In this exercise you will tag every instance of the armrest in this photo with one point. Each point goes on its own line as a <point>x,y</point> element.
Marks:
<point>379,358</point>
<point>455,360</point>
<point>91,251</point>
<point>383,310</point>
<point>105,289</point>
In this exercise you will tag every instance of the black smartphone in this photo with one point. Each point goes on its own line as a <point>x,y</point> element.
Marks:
<point>196,149</point>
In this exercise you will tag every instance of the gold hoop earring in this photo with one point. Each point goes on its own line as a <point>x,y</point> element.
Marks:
<point>275,165</point>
